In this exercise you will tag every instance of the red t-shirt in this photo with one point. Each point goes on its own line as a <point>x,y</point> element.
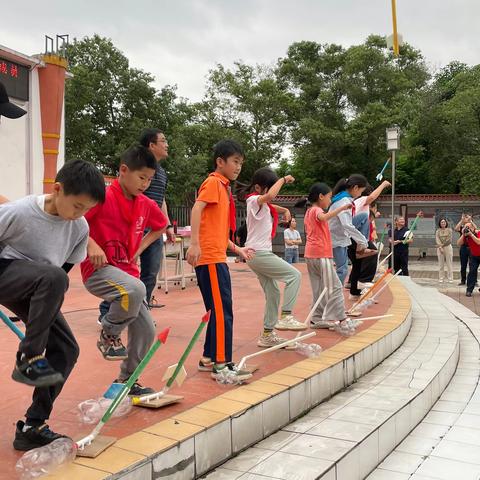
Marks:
<point>112,231</point>
<point>474,247</point>
<point>319,242</point>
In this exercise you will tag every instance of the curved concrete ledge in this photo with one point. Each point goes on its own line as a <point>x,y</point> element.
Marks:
<point>193,442</point>
<point>346,437</point>
<point>446,444</point>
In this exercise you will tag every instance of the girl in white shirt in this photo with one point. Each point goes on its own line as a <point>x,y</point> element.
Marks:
<point>262,221</point>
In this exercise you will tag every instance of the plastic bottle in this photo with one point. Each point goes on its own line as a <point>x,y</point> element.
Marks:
<point>91,411</point>
<point>310,350</point>
<point>44,460</point>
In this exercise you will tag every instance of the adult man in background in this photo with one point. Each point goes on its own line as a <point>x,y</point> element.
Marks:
<point>151,259</point>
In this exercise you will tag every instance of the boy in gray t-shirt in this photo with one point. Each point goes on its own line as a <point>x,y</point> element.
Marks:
<point>41,238</point>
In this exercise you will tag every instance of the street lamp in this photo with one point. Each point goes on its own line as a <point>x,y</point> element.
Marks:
<point>393,144</point>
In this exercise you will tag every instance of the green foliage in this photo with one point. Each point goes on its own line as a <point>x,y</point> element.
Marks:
<point>319,113</point>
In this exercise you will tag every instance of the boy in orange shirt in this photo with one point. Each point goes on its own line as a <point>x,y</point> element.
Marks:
<point>212,219</point>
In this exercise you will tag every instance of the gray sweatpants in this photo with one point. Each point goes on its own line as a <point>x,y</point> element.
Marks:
<point>269,269</point>
<point>128,309</point>
<point>323,275</point>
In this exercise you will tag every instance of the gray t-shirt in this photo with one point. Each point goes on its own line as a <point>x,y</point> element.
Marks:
<point>289,234</point>
<point>27,232</point>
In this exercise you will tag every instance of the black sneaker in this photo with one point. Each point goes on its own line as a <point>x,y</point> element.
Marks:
<point>34,437</point>
<point>137,390</point>
<point>111,347</point>
<point>468,294</point>
<point>461,283</point>
<point>36,372</point>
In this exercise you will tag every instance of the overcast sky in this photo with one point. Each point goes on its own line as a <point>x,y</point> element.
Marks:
<point>179,41</point>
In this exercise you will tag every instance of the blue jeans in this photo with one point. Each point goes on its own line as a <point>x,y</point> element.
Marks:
<point>362,223</point>
<point>340,257</point>
<point>291,255</point>
<point>473,272</point>
<point>150,261</point>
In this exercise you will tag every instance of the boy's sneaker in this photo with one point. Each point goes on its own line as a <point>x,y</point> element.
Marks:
<point>323,324</point>
<point>364,285</point>
<point>272,340</point>
<point>137,390</point>
<point>34,437</point>
<point>239,375</point>
<point>205,365</point>
<point>289,322</point>
<point>36,372</point>
<point>111,347</point>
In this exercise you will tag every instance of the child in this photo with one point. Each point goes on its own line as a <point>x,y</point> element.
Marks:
<point>262,220</point>
<point>111,272</point>
<point>212,219</point>
<point>319,259</point>
<point>40,234</point>
<point>342,230</point>
<point>292,240</point>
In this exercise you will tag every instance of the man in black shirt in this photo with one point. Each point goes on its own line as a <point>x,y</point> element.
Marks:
<point>151,258</point>
<point>402,238</point>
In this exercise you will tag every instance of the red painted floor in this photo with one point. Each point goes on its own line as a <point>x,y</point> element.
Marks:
<point>184,308</point>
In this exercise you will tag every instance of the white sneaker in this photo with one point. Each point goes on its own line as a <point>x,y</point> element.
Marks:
<point>272,340</point>
<point>440,280</point>
<point>289,322</point>
<point>364,285</point>
<point>323,324</point>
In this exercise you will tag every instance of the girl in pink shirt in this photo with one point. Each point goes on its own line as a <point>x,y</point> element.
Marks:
<point>330,312</point>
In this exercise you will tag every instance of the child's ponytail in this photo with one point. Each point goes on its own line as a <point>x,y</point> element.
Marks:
<point>353,180</point>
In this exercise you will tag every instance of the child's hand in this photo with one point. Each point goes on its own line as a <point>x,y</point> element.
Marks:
<point>96,256</point>
<point>246,253</point>
<point>193,254</point>
<point>287,216</point>
<point>289,179</point>
<point>347,206</point>
<point>386,184</point>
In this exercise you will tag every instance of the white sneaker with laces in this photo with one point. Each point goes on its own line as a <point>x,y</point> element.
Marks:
<point>289,322</point>
<point>272,340</point>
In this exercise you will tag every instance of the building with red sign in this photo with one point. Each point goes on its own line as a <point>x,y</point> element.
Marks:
<point>32,147</point>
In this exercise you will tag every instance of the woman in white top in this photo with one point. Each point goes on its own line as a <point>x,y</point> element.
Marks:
<point>292,240</point>
<point>443,239</point>
<point>262,221</point>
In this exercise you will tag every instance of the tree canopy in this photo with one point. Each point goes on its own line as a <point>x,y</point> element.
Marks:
<point>319,113</point>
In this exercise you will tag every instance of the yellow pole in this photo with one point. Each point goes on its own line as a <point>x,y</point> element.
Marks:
<point>396,51</point>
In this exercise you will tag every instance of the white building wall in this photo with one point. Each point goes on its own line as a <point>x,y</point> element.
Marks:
<point>36,144</point>
<point>13,148</point>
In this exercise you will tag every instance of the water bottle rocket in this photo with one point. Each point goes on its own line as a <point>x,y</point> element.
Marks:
<point>89,439</point>
<point>176,368</point>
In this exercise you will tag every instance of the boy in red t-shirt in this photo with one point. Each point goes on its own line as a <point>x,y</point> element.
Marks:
<point>111,272</point>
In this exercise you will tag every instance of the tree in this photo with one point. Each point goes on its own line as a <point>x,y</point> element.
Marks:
<point>107,103</point>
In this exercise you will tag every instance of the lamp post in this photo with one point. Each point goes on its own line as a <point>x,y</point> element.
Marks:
<point>393,144</point>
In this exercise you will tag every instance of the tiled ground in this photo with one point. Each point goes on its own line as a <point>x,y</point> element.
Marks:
<point>182,312</point>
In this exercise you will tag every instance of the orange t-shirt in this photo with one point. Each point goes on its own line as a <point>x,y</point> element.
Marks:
<point>215,221</point>
<point>319,242</point>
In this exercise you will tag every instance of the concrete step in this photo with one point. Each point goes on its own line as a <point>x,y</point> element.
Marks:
<point>347,436</point>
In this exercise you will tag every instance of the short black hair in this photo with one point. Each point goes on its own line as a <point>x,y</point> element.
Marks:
<point>82,178</point>
<point>138,157</point>
<point>148,136</point>
<point>226,148</point>
<point>441,220</point>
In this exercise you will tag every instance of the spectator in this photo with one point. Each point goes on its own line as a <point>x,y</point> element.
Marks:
<point>443,239</point>
<point>471,237</point>
<point>402,238</point>
<point>292,241</point>
<point>464,250</point>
